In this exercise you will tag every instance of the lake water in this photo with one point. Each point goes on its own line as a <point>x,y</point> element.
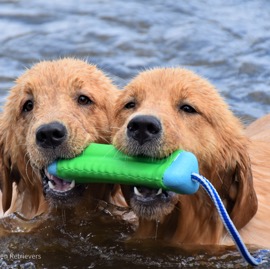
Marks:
<point>227,42</point>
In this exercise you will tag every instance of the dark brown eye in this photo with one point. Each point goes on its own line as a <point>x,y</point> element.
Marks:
<point>84,100</point>
<point>130,105</point>
<point>188,109</point>
<point>28,106</point>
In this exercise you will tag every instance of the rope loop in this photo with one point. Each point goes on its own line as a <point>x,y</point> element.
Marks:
<point>209,188</point>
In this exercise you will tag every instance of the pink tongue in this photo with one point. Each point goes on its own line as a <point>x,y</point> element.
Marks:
<point>60,184</point>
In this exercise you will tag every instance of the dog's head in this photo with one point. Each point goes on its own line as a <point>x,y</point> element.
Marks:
<point>54,111</point>
<point>163,110</point>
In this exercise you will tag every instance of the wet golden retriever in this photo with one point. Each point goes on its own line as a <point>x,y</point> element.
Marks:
<point>54,111</point>
<point>166,109</point>
<point>258,230</point>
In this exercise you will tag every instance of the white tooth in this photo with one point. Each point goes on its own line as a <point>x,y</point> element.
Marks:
<point>159,192</point>
<point>51,186</point>
<point>72,184</point>
<point>136,191</point>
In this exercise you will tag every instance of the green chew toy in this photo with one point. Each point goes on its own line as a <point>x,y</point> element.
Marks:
<point>100,163</point>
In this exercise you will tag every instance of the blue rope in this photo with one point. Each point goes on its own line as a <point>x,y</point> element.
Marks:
<point>208,187</point>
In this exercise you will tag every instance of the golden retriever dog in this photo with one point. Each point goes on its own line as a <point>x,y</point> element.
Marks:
<point>258,230</point>
<point>166,109</point>
<point>54,111</point>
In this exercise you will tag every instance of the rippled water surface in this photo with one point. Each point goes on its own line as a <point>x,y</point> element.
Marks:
<point>227,42</point>
<point>99,241</point>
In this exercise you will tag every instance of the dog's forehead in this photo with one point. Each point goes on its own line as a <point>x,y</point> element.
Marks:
<point>51,78</point>
<point>170,84</point>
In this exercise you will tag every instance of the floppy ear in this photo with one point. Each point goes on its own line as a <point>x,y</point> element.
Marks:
<point>9,172</point>
<point>15,171</point>
<point>245,204</point>
<point>231,168</point>
<point>5,175</point>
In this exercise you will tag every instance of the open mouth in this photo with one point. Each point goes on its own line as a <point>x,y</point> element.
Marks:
<point>152,204</point>
<point>57,184</point>
<point>60,191</point>
<point>149,196</point>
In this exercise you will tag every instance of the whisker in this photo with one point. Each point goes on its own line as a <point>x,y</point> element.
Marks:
<point>156,232</point>
<point>63,217</point>
<point>117,128</point>
<point>26,170</point>
<point>177,207</point>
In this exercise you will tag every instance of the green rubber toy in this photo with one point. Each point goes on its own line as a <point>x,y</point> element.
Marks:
<point>100,163</point>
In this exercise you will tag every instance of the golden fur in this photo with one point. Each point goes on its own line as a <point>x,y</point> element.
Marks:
<point>259,129</point>
<point>193,116</point>
<point>257,232</point>
<point>70,92</point>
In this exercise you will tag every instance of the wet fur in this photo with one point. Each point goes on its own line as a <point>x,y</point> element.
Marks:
<point>225,153</point>
<point>54,87</point>
<point>257,232</point>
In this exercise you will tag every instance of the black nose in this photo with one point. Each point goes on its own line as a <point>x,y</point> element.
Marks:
<point>51,135</point>
<point>144,128</point>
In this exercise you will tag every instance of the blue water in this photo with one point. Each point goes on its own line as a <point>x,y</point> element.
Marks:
<point>227,42</point>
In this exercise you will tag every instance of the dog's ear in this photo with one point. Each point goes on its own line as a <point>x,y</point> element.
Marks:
<point>5,182</point>
<point>13,169</point>
<point>234,180</point>
<point>5,178</point>
<point>243,193</point>
<point>232,169</point>
<point>8,171</point>
<point>231,174</point>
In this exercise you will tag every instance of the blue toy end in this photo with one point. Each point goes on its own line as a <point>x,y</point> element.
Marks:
<point>177,176</point>
<point>52,169</point>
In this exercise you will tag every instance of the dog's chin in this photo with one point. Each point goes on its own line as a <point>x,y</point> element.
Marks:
<point>152,204</point>
<point>61,193</point>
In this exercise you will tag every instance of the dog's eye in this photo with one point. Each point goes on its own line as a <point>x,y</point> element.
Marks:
<point>84,100</point>
<point>28,106</point>
<point>130,105</point>
<point>188,109</point>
